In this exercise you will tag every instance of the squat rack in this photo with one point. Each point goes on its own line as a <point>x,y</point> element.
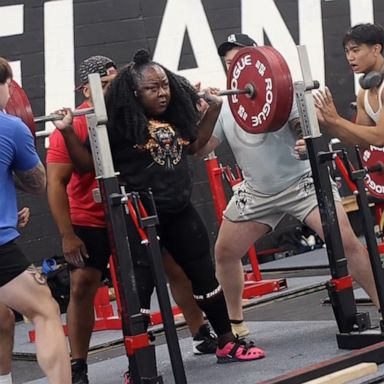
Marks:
<point>354,328</point>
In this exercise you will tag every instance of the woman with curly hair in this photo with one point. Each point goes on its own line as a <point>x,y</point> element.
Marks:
<point>154,122</point>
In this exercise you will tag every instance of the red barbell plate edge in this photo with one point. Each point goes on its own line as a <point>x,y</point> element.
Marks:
<point>374,181</point>
<point>19,105</point>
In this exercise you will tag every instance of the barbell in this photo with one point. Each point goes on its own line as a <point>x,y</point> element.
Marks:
<point>260,92</point>
<point>19,98</point>
<point>55,117</point>
<point>19,105</point>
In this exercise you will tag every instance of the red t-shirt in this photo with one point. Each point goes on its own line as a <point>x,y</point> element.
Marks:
<point>83,208</point>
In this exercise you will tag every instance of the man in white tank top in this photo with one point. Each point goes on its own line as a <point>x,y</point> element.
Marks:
<point>275,183</point>
<point>363,45</point>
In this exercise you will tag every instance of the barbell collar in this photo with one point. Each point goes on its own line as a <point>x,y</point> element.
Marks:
<point>314,85</point>
<point>249,90</point>
<point>55,117</point>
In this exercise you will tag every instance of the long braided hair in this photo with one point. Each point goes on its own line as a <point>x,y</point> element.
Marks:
<point>127,117</point>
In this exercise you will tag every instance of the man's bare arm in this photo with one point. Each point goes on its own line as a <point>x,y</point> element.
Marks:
<point>363,132</point>
<point>78,152</point>
<point>59,175</point>
<point>210,146</point>
<point>33,181</point>
<point>295,125</point>
<point>207,123</point>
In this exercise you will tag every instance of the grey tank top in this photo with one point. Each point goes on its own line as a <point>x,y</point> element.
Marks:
<point>368,108</point>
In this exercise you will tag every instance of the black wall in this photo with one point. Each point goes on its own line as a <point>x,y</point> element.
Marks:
<point>117,28</point>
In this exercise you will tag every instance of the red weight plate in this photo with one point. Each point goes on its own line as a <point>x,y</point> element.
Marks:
<point>266,70</point>
<point>284,92</point>
<point>374,181</point>
<point>19,105</point>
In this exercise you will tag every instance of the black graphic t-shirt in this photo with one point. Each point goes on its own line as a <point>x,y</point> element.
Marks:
<point>160,165</point>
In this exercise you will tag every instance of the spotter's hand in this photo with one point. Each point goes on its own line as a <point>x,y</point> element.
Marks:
<point>325,108</point>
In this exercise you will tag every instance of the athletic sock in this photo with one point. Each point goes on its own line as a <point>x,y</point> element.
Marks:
<point>236,321</point>
<point>239,328</point>
<point>6,379</point>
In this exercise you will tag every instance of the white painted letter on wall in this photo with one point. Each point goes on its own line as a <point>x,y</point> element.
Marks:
<point>189,15</point>
<point>12,23</point>
<point>59,55</point>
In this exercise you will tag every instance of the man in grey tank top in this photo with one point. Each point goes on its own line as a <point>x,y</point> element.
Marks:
<point>363,45</point>
<point>282,185</point>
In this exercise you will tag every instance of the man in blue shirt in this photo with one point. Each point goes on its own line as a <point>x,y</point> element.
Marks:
<point>22,287</point>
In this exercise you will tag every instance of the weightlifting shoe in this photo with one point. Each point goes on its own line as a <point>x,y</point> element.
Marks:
<point>238,350</point>
<point>204,342</point>
<point>239,329</point>
<point>79,371</point>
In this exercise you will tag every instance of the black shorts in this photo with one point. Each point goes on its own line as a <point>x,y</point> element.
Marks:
<point>97,243</point>
<point>13,262</point>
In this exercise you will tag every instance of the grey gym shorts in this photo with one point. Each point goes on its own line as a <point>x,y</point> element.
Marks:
<point>298,200</point>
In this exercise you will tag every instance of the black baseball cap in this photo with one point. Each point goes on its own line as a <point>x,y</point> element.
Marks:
<point>95,64</point>
<point>235,40</point>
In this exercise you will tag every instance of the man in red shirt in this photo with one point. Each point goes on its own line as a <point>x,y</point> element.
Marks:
<point>81,223</point>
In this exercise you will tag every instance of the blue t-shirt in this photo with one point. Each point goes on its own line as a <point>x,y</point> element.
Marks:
<point>17,152</point>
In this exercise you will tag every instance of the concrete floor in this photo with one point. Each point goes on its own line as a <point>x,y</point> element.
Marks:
<point>295,327</point>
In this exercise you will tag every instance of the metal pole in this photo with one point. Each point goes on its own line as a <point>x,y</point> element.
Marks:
<point>141,354</point>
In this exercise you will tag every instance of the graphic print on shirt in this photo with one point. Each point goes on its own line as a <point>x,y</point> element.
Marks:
<point>164,145</point>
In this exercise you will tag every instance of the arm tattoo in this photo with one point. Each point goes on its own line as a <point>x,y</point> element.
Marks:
<point>296,127</point>
<point>32,181</point>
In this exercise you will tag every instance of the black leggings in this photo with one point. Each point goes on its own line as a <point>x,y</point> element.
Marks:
<point>184,235</point>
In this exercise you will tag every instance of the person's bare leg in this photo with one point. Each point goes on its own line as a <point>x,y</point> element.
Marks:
<point>29,295</point>
<point>7,330</point>
<point>80,311</point>
<point>181,289</point>
<point>232,244</point>
<point>356,254</point>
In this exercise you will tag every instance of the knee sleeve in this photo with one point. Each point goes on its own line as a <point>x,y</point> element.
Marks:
<point>214,306</point>
<point>202,275</point>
